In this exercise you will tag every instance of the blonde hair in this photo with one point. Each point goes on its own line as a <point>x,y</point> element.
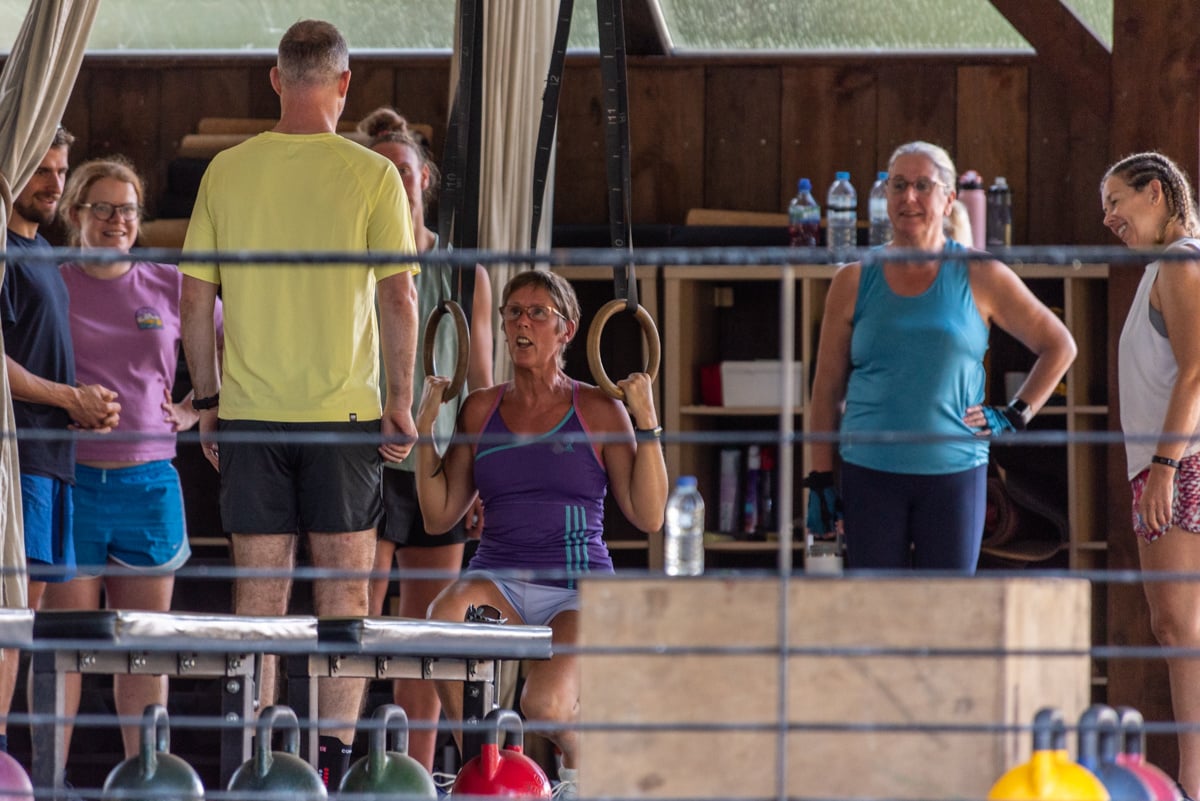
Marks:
<point>562,295</point>
<point>957,225</point>
<point>85,176</point>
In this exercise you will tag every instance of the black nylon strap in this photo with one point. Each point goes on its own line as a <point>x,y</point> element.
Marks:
<point>458,213</point>
<point>549,120</point>
<point>616,143</point>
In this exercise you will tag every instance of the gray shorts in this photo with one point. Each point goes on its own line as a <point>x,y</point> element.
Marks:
<point>282,486</point>
<point>537,604</point>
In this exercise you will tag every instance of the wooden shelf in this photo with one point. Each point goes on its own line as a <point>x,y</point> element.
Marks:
<point>735,411</point>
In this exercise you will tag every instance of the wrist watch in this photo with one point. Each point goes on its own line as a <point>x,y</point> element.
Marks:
<point>211,402</point>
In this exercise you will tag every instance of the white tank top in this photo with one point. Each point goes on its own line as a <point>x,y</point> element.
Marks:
<point>1146,374</point>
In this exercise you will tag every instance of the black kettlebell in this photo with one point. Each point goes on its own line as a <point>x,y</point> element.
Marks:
<point>389,772</point>
<point>283,771</point>
<point>155,773</point>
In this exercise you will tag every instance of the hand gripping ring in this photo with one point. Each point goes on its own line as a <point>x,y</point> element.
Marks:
<point>464,346</point>
<point>593,345</point>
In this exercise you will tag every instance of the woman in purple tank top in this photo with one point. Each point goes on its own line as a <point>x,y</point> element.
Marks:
<point>540,452</point>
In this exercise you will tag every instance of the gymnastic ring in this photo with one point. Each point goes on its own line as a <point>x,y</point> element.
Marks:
<point>464,346</point>
<point>649,330</point>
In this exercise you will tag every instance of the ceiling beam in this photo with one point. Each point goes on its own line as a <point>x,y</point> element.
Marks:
<point>642,35</point>
<point>1065,45</point>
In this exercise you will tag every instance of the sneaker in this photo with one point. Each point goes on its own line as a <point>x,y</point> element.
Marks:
<point>1182,792</point>
<point>444,782</point>
<point>567,788</point>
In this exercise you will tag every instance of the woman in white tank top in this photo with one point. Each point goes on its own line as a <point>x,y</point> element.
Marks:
<point>1148,203</point>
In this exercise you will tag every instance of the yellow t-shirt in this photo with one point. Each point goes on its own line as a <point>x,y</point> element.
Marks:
<point>301,340</point>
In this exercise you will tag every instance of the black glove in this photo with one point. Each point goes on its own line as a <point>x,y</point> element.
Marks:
<point>824,514</point>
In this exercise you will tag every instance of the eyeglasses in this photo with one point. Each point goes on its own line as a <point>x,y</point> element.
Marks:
<point>898,185</point>
<point>105,211</point>
<point>537,314</point>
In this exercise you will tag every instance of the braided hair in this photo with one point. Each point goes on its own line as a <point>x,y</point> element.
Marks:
<point>1140,169</point>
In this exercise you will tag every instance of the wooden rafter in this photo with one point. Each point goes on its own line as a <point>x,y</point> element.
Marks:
<point>1065,45</point>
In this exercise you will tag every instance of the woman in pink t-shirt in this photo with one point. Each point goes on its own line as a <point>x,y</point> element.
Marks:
<point>129,529</point>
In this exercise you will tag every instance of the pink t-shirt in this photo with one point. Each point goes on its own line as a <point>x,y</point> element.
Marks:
<point>126,333</point>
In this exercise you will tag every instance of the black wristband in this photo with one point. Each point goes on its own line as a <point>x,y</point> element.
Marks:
<point>211,402</point>
<point>647,434</point>
<point>1018,413</point>
<point>1168,461</point>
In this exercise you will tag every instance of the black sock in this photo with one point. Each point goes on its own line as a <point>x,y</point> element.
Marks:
<point>333,760</point>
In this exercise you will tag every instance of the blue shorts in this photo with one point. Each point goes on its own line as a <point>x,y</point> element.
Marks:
<point>537,604</point>
<point>47,507</point>
<point>132,516</point>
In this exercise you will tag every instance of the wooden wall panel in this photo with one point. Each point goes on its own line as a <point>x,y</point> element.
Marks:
<point>371,84</point>
<point>125,108</point>
<point>422,93</point>
<point>916,101</point>
<point>742,137</point>
<point>992,131</point>
<point>667,162</point>
<point>820,104</point>
<point>580,195</point>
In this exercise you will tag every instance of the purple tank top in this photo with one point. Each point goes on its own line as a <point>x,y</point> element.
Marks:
<point>543,499</point>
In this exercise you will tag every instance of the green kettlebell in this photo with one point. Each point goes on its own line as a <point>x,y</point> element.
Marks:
<point>392,772</point>
<point>1049,775</point>
<point>154,773</point>
<point>270,771</point>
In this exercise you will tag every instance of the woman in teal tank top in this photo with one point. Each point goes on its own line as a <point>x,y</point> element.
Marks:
<point>900,376</point>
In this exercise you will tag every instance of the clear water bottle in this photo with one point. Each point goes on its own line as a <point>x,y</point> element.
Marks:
<point>877,209</point>
<point>804,216</point>
<point>999,214</point>
<point>684,544</point>
<point>841,209</point>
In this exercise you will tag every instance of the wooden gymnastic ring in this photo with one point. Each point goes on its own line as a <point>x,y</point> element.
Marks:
<point>464,346</point>
<point>649,330</point>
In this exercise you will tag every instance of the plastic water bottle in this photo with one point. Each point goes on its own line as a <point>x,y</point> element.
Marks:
<point>877,203</point>
<point>684,544</point>
<point>841,209</point>
<point>999,214</point>
<point>970,192</point>
<point>804,216</point>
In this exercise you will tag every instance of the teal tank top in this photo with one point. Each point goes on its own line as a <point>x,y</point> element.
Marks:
<point>916,364</point>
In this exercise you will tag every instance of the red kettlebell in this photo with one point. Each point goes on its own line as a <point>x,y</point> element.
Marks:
<point>505,772</point>
<point>154,773</point>
<point>389,772</point>
<point>1133,756</point>
<point>278,772</point>
<point>14,781</point>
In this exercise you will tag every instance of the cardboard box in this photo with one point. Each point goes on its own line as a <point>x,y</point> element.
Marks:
<point>757,383</point>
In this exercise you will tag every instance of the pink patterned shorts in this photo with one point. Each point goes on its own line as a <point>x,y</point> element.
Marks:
<point>1185,511</point>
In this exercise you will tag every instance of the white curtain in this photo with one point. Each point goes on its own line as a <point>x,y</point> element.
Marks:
<point>518,38</point>
<point>34,87</point>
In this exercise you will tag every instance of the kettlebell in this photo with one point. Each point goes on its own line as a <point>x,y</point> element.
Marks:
<point>14,781</point>
<point>1049,775</point>
<point>505,772</point>
<point>389,772</point>
<point>1133,756</point>
<point>154,773</point>
<point>1099,731</point>
<point>270,771</point>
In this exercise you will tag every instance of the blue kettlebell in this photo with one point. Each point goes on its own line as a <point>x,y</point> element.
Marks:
<point>1099,744</point>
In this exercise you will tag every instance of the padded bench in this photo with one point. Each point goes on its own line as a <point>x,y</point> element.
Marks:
<point>229,647</point>
<point>406,648</point>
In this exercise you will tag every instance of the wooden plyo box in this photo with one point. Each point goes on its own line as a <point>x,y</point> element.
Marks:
<point>903,688</point>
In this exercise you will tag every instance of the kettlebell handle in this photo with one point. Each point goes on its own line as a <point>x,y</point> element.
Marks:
<point>1097,734</point>
<point>267,723</point>
<point>156,737</point>
<point>1133,731</point>
<point>505,720</point>
<point>388,718</point>
<point>1049,730</point>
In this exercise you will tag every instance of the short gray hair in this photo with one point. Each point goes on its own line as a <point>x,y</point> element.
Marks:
<point>312,52</point>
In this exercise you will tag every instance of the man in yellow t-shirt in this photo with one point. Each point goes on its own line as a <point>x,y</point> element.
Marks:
<point>302,349</point>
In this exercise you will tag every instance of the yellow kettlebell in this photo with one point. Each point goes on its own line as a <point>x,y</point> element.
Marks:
<point>1049,775</point>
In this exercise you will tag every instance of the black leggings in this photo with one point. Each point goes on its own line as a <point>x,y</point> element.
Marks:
<point>902,520</point>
